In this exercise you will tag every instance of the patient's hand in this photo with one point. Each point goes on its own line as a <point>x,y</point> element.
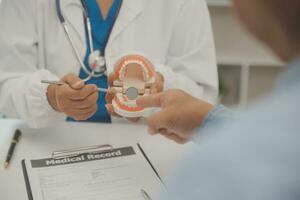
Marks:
<point>158,86</point>
<point>181,114</point>
<point>74,98</point>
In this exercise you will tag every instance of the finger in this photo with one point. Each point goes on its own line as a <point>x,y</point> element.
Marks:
<point>171,135</point>
<point>153,100</point>
<point>111,110</point>
<point>160,77</point>
<point>176,138</point>
<point>82,114</point>
<point>69,104</point>
<point>153,90</point>
<point>111,78</point>
<point>152,131</point>
<point>82,93</point>
<point>166,134</point>
<point>157,86</point>
<point>157,122</point>
<point>160,87</point>
<point>83,117</point>
<point>75,111</point>
<point>164,131</point>
<point>89,101</point>
<point>73,81</point>
<point>79,104</point>
<point>110,95</point>
<point>159,82</point>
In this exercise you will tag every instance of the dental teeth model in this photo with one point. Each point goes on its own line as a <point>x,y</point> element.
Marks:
<point>134,76</point>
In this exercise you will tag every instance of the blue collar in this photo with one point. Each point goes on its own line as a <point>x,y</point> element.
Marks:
<point>100,25</point>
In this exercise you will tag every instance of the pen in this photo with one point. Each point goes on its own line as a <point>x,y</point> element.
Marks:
<point>145,195</point>
<point>12,147</point>
<point>62,83</point>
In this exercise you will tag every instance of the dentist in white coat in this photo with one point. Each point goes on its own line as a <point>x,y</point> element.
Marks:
<point>174,34</point>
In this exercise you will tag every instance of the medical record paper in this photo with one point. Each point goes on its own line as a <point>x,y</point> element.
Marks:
<point>118,174</point>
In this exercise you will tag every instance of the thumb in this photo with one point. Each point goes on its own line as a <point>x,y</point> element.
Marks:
<point>73,81</point>
<point>153,100</point>
<point>111,78</point>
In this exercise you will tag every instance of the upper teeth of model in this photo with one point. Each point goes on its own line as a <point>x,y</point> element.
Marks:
<point>140,63</point>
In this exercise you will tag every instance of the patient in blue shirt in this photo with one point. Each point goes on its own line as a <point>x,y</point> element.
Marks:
<point>252,156</point>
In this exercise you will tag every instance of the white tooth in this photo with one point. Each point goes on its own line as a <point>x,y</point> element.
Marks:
<point>144,68</point>
<point>122,71</point>
<point>121,76</point>
<point>122,102</point>
<point>127,104</point>
<point>131,104</point>
<point>146,72</point>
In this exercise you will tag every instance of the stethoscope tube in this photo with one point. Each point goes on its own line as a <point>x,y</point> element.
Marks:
<point>95,55</point>
<point>58,11</point>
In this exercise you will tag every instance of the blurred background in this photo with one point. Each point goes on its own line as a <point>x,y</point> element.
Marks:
<point>247,69</point>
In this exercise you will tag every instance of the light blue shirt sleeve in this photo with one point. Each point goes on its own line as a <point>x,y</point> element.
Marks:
<point>253,157</point>
<point>218,115</point>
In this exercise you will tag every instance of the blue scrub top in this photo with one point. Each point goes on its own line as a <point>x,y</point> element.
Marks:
<point>101,29</point>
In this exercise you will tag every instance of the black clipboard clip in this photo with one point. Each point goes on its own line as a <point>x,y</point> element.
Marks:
<point>70,153</point>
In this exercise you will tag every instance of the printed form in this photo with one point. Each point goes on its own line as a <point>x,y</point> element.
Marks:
<point>119,174</point>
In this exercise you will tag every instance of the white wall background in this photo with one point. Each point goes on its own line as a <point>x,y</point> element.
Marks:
<point>248,68</point>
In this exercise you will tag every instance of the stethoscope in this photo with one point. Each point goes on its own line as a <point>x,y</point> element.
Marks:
<point>96,59</point>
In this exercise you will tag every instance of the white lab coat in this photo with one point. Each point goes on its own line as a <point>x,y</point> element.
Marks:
<point>174,34</point>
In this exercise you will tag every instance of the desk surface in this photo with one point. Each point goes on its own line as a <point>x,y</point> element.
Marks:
<point>39,143</point>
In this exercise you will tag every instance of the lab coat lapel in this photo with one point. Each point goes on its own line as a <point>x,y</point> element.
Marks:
<point>130,10</point>
<point>73,13</point>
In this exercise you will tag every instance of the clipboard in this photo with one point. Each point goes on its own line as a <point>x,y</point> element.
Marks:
<point>90,150</point>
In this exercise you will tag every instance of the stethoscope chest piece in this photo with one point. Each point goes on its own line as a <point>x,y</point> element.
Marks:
<point>96,59</point>
<point>97,62</point>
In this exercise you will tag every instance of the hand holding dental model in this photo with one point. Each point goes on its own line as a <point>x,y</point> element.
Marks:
<point>133,77</point>
<point>73,97</point>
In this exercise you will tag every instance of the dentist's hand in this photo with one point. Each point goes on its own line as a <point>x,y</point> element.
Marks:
<point>74,98</point>
<point>181,114</point>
